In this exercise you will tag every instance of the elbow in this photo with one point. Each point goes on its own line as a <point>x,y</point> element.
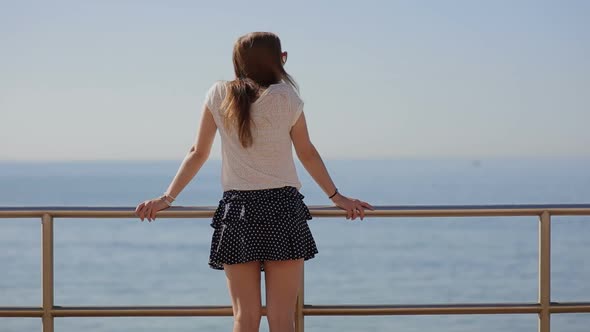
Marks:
<point>198,154</point>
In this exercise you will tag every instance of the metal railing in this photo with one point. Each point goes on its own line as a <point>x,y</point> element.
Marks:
<point>543,307</point>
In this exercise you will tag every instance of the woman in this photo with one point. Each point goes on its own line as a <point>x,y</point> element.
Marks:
<point>261,221</point>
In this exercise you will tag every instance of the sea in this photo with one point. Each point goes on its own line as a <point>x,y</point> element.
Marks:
<point>444,260</point>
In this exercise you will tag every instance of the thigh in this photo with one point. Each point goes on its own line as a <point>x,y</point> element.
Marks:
<point>243,282</point>
<point>282,280</point>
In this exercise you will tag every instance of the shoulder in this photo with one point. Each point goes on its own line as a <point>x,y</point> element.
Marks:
<point>216,94</point>
<point>217,87</point>
<point>287,91</point>
<point>291,97</point>
<point>285,88</point>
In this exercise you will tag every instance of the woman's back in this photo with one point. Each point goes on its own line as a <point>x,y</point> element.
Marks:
<point>268,162</point>
<point>261,222</point>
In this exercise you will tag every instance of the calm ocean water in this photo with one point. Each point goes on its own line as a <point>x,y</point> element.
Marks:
<point>378,260</point>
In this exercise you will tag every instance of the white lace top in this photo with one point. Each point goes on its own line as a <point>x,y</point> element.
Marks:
<point>268,162</point>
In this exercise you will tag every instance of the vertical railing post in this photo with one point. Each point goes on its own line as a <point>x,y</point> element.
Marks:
<point>299,318</point>
<point>545,272</point>
<point>47,271</point>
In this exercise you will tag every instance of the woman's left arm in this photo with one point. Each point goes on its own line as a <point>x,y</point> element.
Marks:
<point>192,163</point>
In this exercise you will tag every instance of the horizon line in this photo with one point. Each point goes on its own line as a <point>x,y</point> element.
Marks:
<point>469,158</point>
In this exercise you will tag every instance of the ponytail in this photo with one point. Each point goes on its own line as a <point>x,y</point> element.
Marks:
<point>241,93</point>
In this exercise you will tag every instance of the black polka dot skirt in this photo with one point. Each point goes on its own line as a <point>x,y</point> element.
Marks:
<point>261,225</point>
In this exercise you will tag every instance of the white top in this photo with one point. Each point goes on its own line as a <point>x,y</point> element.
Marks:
<point>268,162</point>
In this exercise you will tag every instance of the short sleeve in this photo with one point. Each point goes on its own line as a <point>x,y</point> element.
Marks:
<point>215,96</point>
<point>296,108</point>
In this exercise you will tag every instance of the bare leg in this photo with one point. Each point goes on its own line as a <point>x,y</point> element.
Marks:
<point>282,279</point>
<point>243,283</point>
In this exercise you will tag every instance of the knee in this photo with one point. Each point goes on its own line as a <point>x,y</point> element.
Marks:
<point>280,320</point>
<point>248,320</point>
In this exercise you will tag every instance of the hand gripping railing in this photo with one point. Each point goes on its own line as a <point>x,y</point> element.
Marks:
<point>543,307</point>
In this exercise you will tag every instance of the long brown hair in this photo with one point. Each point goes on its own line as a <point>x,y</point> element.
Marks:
<point>257,65</point>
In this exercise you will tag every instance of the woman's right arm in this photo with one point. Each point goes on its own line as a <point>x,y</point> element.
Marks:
<point>192,163</point>
<point>313,163</point>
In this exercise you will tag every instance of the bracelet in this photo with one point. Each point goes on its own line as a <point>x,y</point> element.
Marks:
<point>334,194</point>
<point>172,197</point>
<point>163,197</point>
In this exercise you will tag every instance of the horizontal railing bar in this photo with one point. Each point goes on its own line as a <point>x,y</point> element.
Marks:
<point>316,210</point>
<point>427,309</point>
<point>21,311</point>
<point>114,311</point>
<point>308,310</point>
<point>569,307</point>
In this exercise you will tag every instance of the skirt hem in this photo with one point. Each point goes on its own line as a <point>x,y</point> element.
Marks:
<point>219,265</point>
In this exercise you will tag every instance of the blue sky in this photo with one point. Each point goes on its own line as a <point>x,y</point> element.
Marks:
<point>125,80</point>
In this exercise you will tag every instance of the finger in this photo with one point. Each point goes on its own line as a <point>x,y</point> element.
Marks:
<point>348,213</point>
<point>151,214</point>
<point>147,209</point>
<point>362,212</point>
<point>138,208</point>
<point>154,214</point>
<point>343,208</point>
<point>148,213</point>
<point>354,213</point>
<point>141,213</point>
<point>368,206</point>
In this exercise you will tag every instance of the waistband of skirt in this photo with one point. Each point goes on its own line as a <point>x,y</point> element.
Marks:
<point>260,193</point>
